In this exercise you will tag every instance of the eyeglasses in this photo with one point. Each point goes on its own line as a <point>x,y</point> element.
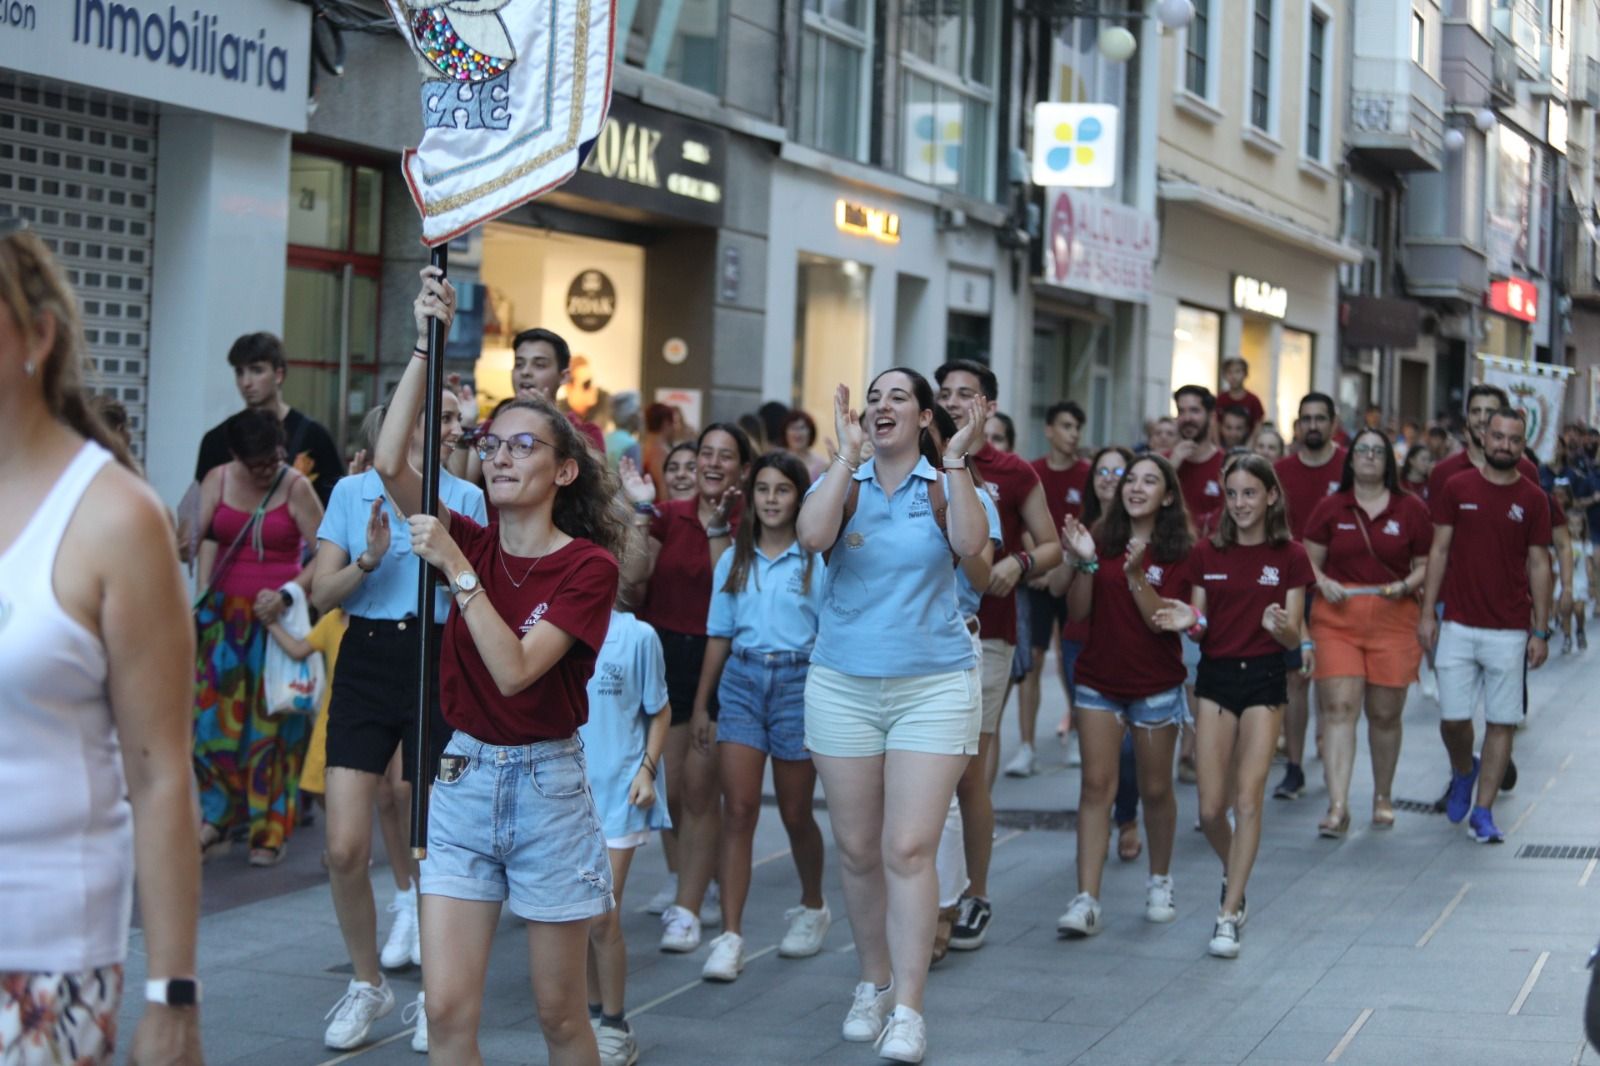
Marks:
<point>520,445</point>
<point>1372,451</point>
<point>1111,471</point>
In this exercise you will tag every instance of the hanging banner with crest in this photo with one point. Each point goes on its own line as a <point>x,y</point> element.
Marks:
<point>1536,389</point>
<point>516,92</point>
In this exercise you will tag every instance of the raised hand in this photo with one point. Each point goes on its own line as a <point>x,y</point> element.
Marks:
<point>971,432</point>
<point>377,533</point>
<point>639,488</point>
<point>1133,562</point>
<point>847,425</point>
<point>1175,616</point>
<point>433,544</point>
<point>725,505</point>
<point>1183,452</point>
<point>436,299</point>
<point>1076,539</point>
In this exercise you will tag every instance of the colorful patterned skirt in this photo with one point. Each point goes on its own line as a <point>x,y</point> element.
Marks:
<point>59,1018</point>
<point>247,762</point>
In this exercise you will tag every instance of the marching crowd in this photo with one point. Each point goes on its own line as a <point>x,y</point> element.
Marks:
<point>632,628</point>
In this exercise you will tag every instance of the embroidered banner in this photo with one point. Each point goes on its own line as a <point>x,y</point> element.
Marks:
<point>516,92</point>
<point>1537,389</point>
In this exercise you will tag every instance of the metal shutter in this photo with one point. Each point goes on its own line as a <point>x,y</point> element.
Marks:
<point>80,166</point>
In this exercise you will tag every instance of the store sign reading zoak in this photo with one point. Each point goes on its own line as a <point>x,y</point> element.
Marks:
<point>243,61</point>
<point>656,161</point>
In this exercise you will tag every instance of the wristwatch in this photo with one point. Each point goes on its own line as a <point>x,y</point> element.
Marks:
<point>1542,634</point>
<point>173,991</point>
<point>465,581</point>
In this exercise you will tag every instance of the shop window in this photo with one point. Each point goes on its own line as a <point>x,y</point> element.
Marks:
<point>835,42</point>
<point>947,93</point>
<point>830,332</point>
<point>967,337</point>
<point>330,327</point>
<point>677,39</point>
<point>1196,347</point>
<point>1294,375</point>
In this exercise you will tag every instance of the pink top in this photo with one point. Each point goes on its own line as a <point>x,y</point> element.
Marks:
<point>267,558</point>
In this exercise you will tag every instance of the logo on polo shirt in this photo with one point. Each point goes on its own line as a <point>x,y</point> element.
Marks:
<point>608,679</point>
<point>1469,507</point>
<point>1213,489</point>
<point>796,585</point>
<point>1074,497</point>
<point>1213,577</point>
<point>533,618</point>
<point>1154,574</point>
<point>1269,576</point>
<point>1515,514</point>
<point>1392,528</point>
<point>1344,525</point>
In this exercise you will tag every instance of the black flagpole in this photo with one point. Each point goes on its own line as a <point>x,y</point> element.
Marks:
<point>428,638</point>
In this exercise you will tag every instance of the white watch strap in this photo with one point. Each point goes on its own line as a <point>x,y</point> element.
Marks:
<point>155,990</point>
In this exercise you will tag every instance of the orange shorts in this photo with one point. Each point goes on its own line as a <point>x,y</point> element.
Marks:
<point>1367,636</point>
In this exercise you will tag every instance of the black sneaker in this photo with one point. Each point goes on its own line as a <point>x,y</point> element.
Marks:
<point>1509,781</point>
<point>972,924</point>
<point>1293,785</point>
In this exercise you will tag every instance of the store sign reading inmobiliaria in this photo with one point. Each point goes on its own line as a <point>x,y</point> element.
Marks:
<point>242,60</point>
<point>1100,246</point>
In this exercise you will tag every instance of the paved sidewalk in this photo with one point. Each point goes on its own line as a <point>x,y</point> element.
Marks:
<point>1410,946</point>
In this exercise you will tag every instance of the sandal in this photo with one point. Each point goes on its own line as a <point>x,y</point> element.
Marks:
<point>1382,813</point>
<point>1331,828</point>
<point>268,856</point>
<point>1129,846</point>
<point>214,843</point>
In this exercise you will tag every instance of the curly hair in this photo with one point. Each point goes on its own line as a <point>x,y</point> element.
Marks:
<point>591,506</point>
<point>1277,516</point>
<point>744,544</point>
<point>1172,537</point>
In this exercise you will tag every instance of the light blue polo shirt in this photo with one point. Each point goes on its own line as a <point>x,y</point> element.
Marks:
<point>629,686</point>
<point>966,595</point>
<point>773,612</point>
<point>889,605</point>
<point>390,591</point>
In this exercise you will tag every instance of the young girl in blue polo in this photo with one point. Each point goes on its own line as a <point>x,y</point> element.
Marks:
<point>760,629</point>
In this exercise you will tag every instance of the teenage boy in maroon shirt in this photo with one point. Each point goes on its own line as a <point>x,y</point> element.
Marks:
<point>1020,499</point>
<point>1196,456</point>
<point>1065,477</point>
<point>1490,567</point>
<point>1234,394</point>
<point>1306,477</point>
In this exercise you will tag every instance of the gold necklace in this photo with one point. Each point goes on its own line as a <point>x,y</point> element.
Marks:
<point>500,552</point>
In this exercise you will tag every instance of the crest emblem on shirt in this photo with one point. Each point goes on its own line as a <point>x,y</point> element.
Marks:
<point>1074,497</point>
<point>1269,576</point>
<point>533,618</point>
<point>1515,514</point>
<point>1333,487</point>
<point>1213,489</point>
<point>1154,574</point>
<point>854,540</point>
<point>1392,528</point>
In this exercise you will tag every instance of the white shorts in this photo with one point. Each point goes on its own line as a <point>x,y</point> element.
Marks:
<point>995,662</point>
<point>849,716</point>
<point>1495,660</point>
<point>629,841</point>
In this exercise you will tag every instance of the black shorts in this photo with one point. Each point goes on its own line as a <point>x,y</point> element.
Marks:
<point>685,654</point>
<point>1046,615</point>
<point>1238,684</point>
<point>372,710</point>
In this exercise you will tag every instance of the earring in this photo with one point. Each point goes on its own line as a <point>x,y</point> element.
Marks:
<point>28,367</point>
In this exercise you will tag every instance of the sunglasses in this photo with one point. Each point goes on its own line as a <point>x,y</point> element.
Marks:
<point>519,444</point>
<point>1111,471</point>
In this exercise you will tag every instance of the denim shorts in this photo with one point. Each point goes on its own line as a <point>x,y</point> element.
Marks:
<point>517,823</point>
<point>763,699</point>
<point>1152,712</point>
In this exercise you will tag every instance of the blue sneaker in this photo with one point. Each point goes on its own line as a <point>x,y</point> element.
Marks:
<point>1459,802</point>
<point>1481,827</point>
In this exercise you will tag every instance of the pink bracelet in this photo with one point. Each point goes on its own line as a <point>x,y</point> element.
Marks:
<point>420,353</point>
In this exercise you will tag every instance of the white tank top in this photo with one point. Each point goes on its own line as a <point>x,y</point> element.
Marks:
<point>66,828</point>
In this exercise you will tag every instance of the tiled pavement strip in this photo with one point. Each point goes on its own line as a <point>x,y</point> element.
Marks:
<point>1409,946</point>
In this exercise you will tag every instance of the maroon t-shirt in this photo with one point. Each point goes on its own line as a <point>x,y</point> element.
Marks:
<point>1305,486</point>
<point>1009,478</point>
<point>588,430</point>
<point>1400,533</point>
<point>1251,403</point>
<point>1486,578</point>
<point>1241,582</point>
<point>1123,658</point>
<point>679,594</point>
<point>572,589</point>
<point>1201,484</point>
<point>1456,462</point>
<point>1064,490</point>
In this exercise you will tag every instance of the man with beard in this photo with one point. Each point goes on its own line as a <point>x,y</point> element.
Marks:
<point>1306,477</point>
<point>1196,456</point>
<point>1490,566</point>
<point>1482,401</point>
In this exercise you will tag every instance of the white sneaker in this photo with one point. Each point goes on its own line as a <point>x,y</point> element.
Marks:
<point>680,930</point>
<point>1074,753</point>
<point>1225,937</point>
<point>807,927</point>
<point>1159,905</point>
<point>404,946</point>
<point>416,1012</point>
<point>665,896</point>
<point>361,1005</point>
<point>727,958</point>
<point>1081,919</point>
<point>618,1047</point>
<point>868,1013</point>
<point>1022,764</point>
<point>711,906</point>
<point>905,1038</point>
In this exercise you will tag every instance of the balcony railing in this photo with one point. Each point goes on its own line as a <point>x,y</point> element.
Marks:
<point>1397,114</point>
